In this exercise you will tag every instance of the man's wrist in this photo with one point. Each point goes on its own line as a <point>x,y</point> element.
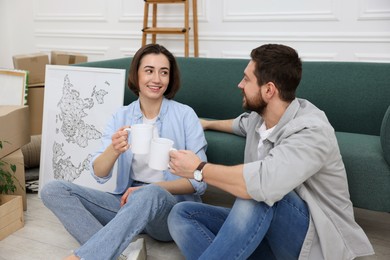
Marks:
<point>203,170</point>
<point>198,173</point>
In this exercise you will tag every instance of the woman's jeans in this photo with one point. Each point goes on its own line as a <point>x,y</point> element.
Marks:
<point>250,229</point>
<point>96,220</point>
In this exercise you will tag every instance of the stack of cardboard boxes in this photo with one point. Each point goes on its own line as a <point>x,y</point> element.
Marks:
<point>14,133</point>
<point>18,123</point>
<point>35,64</point>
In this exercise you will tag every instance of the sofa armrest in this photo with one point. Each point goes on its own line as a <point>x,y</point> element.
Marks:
<point>385,136</point>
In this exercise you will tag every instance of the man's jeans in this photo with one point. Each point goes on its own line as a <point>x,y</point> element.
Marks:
<point>250,229</point>
<point>96,220</point>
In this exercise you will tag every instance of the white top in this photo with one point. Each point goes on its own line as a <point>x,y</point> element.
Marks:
<point>141,170</point>
<point>264,133</point>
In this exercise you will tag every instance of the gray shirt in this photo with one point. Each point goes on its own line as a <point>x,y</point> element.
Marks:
<point>302,154</point>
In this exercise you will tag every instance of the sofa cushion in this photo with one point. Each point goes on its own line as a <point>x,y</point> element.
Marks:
<point>385,135</point>
<point>224,148</point>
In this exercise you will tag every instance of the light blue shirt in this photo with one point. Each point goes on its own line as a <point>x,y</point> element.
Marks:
<point>176,121</point>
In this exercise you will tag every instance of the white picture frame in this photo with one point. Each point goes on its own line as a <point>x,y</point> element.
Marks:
<point>78,102</point>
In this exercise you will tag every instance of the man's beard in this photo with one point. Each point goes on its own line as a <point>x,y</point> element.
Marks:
<point>256,104</point>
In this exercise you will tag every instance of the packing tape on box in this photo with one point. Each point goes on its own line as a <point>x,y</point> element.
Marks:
<point>72,59</point>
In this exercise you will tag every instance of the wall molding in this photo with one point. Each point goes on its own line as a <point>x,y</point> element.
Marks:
<point>235,54</point>
<point>304,56</point>
<point>368,10</point>
<point>321,30</point>
<point>302,37</point>
<point>163,17</point>
<point>272,16</point>
<point>370,57</point>
<point>373,15</point>
<point>97,50</point>
<point>98,12</point>
<point>128,52</point>
<point>377,37</point>
<point>318,56</point>
<point>278,17</point>
<point>70,17</point>
<point>88,34</point>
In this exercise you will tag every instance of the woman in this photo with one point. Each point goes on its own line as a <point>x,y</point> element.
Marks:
<point>105,223</point>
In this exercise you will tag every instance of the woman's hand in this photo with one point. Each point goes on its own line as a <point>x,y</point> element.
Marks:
<point>127,194</point>
<point>106,160</point>
<point>119,140</point>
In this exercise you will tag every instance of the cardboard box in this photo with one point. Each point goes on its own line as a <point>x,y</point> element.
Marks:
<point>66,58</point>
<point>35,103</point>
<point>11,214</point>
<point>35,64</point>
<point>14,128</point>
<point>16,158</point>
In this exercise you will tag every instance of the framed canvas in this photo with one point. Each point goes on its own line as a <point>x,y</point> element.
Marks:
<point>13,87</point>
<point>78,102</point>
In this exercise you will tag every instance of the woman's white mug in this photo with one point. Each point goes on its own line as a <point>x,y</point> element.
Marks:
<point>140,136</point>
<point>159,153</point>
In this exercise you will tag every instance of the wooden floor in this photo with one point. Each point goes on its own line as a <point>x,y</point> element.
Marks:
<point>44,238</point>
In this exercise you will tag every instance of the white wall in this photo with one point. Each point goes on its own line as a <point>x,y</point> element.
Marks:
<point>339,30</point>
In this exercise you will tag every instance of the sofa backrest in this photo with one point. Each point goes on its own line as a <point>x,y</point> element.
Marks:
<point>354,95</point>
<point>208,81</point>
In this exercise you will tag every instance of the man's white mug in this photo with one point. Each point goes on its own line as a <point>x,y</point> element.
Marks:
<point>140,136</point>
<point>159,153</point>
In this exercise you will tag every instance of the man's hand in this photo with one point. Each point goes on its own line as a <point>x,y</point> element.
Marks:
<point>204,123</point>
<point>183,163</point>
<point>127,194</point>
<point>218,125</point>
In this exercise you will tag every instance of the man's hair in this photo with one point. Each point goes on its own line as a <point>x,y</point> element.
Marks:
<point>174,73</point>
<point>279,64</point>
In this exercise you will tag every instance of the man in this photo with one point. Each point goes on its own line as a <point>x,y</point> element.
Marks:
<point>292,191</point>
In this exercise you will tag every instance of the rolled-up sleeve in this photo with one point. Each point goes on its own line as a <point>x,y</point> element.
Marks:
<point>240,124</point>
<point>105,142</point>
<point>196,142</point>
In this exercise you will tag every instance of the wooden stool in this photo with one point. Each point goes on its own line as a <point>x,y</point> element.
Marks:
<point>154,30</point>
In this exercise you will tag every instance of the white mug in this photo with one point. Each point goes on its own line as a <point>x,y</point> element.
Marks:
<point>159,153</point>
<point>140,136</point>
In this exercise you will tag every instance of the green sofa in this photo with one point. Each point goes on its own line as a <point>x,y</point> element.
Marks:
<point>354,95</point>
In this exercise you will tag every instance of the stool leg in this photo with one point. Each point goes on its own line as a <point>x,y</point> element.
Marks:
<point>195,22</point>
<point>146,15</point>
<point>186,25</point>
<point>154,22</point>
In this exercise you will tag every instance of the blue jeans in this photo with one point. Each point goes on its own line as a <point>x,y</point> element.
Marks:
<point>250,229</point>
<point>96,220</point>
